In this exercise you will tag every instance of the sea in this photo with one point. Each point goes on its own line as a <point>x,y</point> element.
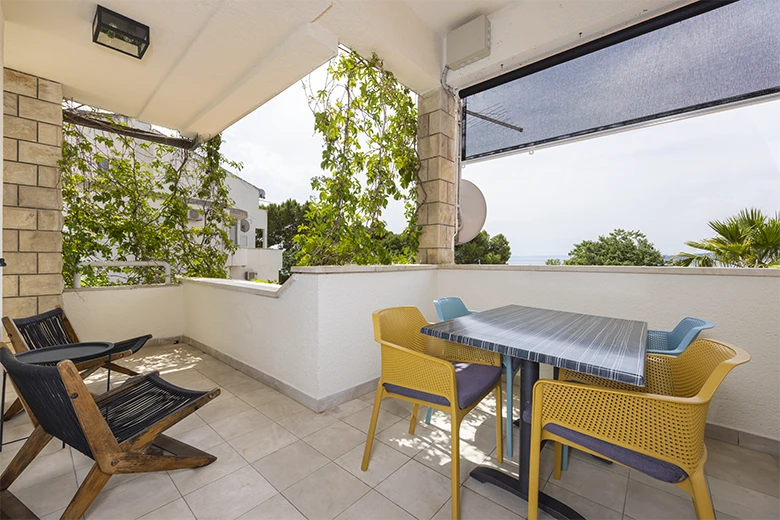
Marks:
<point>534,260</point>
<point>541,259</point>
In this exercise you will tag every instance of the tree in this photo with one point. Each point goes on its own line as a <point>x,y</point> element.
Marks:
<point>484,250</point>
<point>553,261</point>
<point>126,199</point>
<point>619,248</point>
<point>748,239</point>
<point>368,123</point>
<point>284,220</point>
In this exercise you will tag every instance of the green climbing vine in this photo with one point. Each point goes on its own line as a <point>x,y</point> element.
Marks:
<point>128,199</point>
<point>368,123</point>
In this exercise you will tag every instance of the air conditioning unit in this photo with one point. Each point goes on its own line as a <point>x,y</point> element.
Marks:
<point>194,214</point>
<point>468,43</point>
<point>250,275</point>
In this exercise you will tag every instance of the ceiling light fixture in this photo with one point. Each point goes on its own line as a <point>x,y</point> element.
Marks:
<point>120,33</point>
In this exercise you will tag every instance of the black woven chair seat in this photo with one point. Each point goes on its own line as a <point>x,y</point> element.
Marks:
<point>45,330</point>
<point>133,344</point>
<point>134,410</point>
<point>48,329</point>
<point>136,414</point>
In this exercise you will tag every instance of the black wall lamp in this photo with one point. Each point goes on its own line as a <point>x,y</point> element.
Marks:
<point>120,33</point>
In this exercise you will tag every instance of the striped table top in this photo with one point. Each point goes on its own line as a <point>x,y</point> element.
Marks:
<point>611,348</point>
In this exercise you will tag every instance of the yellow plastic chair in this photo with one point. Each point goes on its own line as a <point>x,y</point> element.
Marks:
<point>658,429</point>
<point>431,372</point>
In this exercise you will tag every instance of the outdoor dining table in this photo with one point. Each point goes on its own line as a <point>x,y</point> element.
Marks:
<point>611,348</point>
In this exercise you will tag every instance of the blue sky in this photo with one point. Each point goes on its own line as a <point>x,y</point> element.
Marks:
<point>666,180</point>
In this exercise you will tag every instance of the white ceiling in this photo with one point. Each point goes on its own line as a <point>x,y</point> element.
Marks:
<point>444,16</point>
<point>211,62</point>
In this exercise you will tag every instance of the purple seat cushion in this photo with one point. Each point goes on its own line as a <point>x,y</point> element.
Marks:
<point>474,381</point>
<point>658,469</point>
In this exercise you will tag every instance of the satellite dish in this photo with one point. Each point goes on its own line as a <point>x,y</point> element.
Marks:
<point>244,225</point>
<point>262,193</point>
<point>472,212</point>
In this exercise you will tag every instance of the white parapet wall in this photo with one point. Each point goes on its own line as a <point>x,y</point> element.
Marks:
<point>117,313</point>
<point>269,328</point>
<point>348,354</point>
<point>312,337</point>
<point>265,263</point>
<point>744,304</point>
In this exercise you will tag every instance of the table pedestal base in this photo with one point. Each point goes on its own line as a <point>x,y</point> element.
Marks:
<point>506,482</point>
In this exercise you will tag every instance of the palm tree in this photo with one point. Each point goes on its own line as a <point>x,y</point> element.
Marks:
<point>748,239</point>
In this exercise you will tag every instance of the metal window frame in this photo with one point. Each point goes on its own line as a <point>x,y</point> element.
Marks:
<point>659,22</point>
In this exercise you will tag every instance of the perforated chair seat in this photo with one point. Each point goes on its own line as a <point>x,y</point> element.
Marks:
<point>133,344</point>
<point>473,382</point>
<point>134,410</point>
<point>656,468</point>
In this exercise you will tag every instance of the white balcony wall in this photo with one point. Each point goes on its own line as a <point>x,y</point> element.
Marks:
<point>117,313</point>
<point>743,304</point>
<point>348,354</point>
<point>314,335</point>
<point>265,262</point>
<point>273,333</point>
<point>237,259</point>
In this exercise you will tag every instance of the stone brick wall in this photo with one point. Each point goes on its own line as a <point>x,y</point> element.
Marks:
<point>32,194</point>
<point>436,147</point>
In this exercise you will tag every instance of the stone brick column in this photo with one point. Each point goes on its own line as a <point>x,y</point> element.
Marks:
<point>436,194</point>
<point>32,194</point>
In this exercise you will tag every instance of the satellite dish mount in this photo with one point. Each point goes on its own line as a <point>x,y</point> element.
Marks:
<point>472,212</point>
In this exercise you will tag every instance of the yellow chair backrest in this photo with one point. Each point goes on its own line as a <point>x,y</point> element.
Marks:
<point>697,372</point>
<point>668,426</point>
<point>701,368</point>
<point>401,326</point>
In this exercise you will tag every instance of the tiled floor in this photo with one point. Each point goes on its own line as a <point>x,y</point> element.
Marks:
<point>278,460</point>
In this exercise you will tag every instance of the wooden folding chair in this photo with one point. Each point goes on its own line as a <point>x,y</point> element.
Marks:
<point>120,430</point>
<point>53,328</point>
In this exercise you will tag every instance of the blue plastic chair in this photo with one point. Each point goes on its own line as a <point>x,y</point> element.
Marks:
<point>451,308</point>
<point>675,342</point>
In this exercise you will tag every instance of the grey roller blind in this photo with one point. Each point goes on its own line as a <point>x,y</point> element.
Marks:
<point>722,56</point>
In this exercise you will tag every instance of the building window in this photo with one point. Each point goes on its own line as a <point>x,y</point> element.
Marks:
<point>233,234</point>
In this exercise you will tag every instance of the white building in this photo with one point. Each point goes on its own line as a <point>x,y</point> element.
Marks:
<point>250,231</point>
<point>249,262</point>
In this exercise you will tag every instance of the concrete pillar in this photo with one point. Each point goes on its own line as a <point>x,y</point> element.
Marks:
<point>32,194</point>
<point>436,193</point>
